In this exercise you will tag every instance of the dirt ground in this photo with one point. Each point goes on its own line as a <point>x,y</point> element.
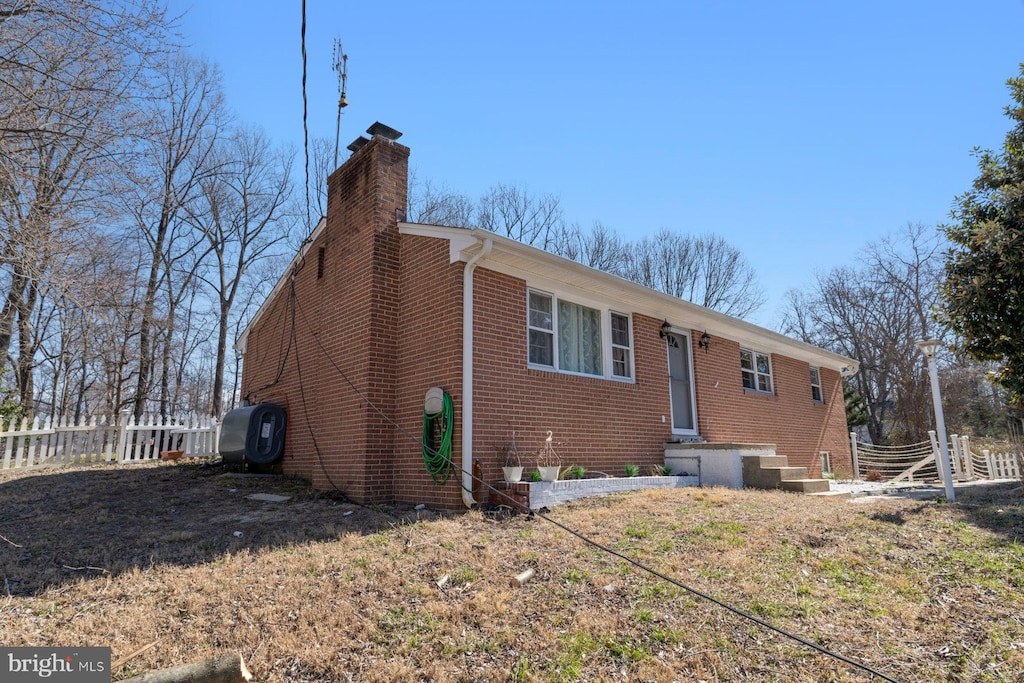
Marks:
<point>179,562</point>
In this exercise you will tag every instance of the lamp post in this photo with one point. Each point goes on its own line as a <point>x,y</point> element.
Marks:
<point>928,348</point>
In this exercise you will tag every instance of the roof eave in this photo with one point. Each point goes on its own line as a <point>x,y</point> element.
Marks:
<point>243,338</point>
<point>464,242</point>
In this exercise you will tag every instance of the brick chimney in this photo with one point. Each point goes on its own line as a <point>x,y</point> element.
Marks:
<point>353,306</point>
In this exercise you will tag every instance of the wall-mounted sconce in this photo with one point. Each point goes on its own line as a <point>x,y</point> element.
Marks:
<point>666,333</point>
<point>704,342</point>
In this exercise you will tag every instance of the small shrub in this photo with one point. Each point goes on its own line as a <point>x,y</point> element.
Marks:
<point>534,475</point>
<point>632,470</point>
<point>873,475</point>
<point>576,472</point>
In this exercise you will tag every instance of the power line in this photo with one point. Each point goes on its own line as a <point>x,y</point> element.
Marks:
<point>305,116</point>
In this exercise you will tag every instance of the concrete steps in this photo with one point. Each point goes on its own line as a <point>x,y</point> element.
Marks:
<point>833,495</point>
<point>774,472</point>
<point>805,485</point>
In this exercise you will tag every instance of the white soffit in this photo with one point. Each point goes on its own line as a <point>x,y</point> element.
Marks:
<point>544,270</point>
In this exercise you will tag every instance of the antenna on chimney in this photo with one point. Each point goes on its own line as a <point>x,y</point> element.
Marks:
<point>341,67</point>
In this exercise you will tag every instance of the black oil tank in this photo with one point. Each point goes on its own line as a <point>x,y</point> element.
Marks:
<point>253,434</point>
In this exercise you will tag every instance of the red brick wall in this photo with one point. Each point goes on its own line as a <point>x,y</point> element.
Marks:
<point>603,424</point>
<point>789,418</point>
<point>599,424</point>
<point>348,318</point>
<point>388,313</point>
<point>429,347</point>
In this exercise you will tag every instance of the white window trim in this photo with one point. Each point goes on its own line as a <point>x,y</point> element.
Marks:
<point>771,373</point>
<point>612,345</point>
<point>821,390</point>
<point>552,332</point>
<point>607,367</point>
<point>687,337</point>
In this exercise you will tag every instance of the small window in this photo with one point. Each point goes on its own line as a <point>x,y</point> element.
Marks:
<point>826,462</point>
<point>757,371</point>
<point>541,329</point>
<point>620,346</point>
<point>321,256</point>
<point>816,386</point>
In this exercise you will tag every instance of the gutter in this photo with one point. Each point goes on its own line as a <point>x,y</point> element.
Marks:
<point>467,372</point>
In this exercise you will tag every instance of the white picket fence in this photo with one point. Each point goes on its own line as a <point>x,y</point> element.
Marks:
<point>997,465</point>
<point>917,461</point>
<point>46,442</point>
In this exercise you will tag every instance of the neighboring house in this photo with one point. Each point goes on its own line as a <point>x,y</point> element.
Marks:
<point>374,310</point>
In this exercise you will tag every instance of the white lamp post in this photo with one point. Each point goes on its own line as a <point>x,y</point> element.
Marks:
<point>928,348</point>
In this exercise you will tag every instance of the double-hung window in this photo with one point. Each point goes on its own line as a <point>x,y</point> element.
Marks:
<point>816,395</point>
<point>571,337</point>
<point>757,371</point>
<point>541,325</point>
<point>621,348</point>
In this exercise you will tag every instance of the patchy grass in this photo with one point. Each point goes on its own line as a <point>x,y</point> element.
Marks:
<point>124,556</point>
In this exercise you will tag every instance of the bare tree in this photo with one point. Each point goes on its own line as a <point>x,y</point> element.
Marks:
<point>437,205</point>
<point>704,269</point>
<point>69,75</point>
<point>598,248</point>
<point>874,313</point>
<point>173,161</point>
<point>515,212</point>
<point>239,212</point>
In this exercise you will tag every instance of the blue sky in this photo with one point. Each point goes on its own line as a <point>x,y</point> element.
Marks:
<point>798,131</point>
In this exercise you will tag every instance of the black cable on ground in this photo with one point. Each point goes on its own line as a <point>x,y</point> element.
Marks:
<point>639,565</point>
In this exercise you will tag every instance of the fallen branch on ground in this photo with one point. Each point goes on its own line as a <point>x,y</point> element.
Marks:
<point>4,538</point>
<point>82,569</point>
<point>128,658</point>
<point>226,669</point>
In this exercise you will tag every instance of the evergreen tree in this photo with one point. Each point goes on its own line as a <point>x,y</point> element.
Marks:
<point>985,267</point>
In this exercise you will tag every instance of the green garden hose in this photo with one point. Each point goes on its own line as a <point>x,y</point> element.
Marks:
<point>439,460</point>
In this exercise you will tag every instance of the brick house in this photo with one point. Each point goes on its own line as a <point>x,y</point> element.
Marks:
<point>375,310</point>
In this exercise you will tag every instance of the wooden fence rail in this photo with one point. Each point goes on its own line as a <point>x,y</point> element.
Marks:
<point>121,439</point>
<point>917,461</point>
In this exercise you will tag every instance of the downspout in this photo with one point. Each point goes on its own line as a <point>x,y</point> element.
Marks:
<point>467,372</point>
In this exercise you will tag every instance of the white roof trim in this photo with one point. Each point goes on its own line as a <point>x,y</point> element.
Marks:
<point>243,338</point>
<point>543,269</point>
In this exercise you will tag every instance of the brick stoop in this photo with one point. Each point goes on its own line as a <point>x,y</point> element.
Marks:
<point>514,495</point>
<point>774,472</point>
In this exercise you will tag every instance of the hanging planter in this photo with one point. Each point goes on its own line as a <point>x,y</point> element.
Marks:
<point>549,473</point>
<point>512,471</point>
<point>548,462</point>
<point>512,474</point>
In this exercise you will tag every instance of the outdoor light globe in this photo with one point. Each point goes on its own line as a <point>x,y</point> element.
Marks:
<point>928,347</point>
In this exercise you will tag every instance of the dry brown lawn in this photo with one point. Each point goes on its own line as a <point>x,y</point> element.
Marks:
<point>128,556</point>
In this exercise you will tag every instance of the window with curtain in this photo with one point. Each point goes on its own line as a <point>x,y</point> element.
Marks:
<point>566,336</point>
<point>579,339</point>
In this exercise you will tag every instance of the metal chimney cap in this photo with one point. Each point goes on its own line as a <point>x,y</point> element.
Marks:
<point>358,144</point>
<point>380,129</point>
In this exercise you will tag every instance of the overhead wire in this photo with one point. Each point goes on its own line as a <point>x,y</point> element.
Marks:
<point>305,117</point>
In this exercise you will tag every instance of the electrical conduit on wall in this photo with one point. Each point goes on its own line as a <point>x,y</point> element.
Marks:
<point>467,372</point>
